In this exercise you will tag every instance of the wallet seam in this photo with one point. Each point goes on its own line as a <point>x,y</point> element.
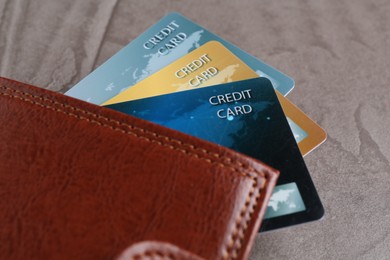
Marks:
<point>155,253</point>
<point>241,165</point>
<point>232,248</point>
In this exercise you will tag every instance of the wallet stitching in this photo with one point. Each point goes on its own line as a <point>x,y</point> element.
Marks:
<point>192,147</point>
<point>239,230</point>
<point>155,253</point>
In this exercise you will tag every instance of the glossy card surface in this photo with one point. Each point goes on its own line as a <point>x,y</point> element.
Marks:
<point>169,39</point>
<point>210,65</point>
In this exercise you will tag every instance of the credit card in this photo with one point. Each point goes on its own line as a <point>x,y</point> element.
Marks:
<point>245,116</point>
<point>213,64</point>
<point>169,39</point>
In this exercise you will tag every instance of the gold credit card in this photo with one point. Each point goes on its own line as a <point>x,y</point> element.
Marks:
<point>210,65</point>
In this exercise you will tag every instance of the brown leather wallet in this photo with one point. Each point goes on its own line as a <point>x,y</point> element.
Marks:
<point>80,181</point>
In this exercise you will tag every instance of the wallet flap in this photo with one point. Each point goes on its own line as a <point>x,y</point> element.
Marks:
<point>82,181</point>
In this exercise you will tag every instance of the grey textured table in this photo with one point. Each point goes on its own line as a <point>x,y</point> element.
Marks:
<point>338,52</point>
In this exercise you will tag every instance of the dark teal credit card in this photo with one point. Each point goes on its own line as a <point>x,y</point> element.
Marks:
<point>245,116</point>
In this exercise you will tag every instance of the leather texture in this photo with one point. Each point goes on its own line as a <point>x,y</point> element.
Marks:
<point>78,181</point>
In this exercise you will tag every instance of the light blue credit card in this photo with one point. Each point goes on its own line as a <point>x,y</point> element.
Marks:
<point>169,39</point>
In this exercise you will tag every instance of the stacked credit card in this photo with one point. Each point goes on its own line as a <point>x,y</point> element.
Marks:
<point>179,75</point>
